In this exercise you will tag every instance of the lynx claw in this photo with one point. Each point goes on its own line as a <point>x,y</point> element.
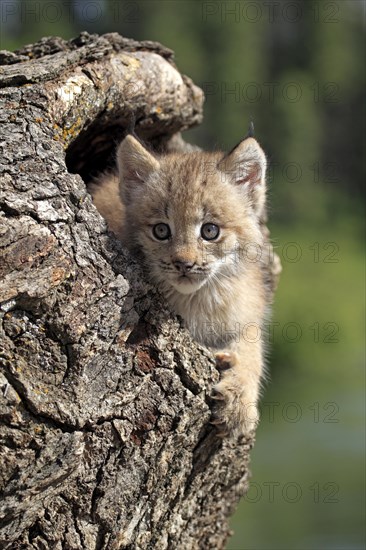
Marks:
<point>221,427</point>
<point>218,418</point>
<point>217,421</point>
<point>233,413</point>
<point>224,360</point>
<point>221,433</point>
<point>217,396</point>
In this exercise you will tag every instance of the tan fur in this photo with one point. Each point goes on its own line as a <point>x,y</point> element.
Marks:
<point>222,297</point>
<point>105,192</point>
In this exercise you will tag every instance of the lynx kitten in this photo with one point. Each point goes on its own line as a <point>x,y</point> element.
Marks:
<point>194,218</point>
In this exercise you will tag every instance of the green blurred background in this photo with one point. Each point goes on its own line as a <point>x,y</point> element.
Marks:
<point>297,70</point>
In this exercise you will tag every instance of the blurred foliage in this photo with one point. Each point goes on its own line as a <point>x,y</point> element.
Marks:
<point>296,69</point>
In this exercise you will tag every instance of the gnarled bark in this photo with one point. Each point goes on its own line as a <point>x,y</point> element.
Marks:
<point>105,399</point>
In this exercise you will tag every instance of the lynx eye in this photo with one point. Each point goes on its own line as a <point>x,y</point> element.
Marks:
<point>161,231</point>
<point>210,231</point>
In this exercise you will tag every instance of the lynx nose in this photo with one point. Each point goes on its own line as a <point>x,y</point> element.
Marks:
<point>183,267</point>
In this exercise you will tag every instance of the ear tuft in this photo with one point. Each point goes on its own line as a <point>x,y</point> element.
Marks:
<point>246,166</point>
<point>135,164</point>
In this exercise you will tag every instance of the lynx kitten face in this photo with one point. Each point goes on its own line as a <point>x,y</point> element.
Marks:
<point>195,215</point>
<point>193,219</point>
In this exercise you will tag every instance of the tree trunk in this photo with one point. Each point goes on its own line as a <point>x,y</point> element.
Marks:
<point>104,397</point>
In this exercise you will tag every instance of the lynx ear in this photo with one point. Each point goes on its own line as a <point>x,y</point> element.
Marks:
<point>135,164</point>
<point>246,166</point>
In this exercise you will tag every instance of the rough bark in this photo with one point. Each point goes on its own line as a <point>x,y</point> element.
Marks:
<point>104,397</point>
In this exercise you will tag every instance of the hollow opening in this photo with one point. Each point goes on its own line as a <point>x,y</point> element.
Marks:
<point>93,151</point>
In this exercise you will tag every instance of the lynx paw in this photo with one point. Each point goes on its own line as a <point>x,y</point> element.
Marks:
<point>225,360</point>
<point>236,410</point>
